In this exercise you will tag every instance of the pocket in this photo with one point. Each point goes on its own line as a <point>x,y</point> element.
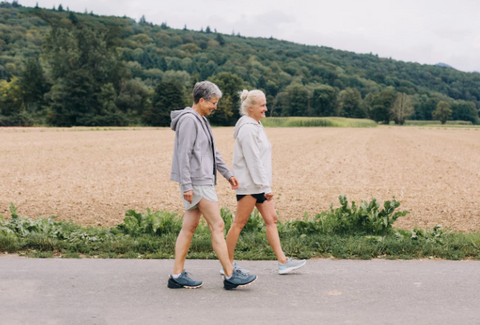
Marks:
<point>205,169</point>
<point>198,171</point>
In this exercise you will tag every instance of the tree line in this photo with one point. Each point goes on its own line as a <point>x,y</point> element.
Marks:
<point>63,68</point>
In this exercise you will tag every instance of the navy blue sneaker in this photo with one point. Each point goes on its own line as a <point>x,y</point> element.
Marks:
<point>183,281</point>
<point>238,279</point>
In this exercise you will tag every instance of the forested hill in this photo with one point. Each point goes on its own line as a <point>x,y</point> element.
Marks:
<point>63,68</point>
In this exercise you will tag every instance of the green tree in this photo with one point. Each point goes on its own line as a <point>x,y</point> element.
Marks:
<point>350,101</point>
<point>296,101</point>
<point>324,101</point>
<point>11,102</point>
<point>109,113</point>
<point>442,112</point>
<point>219,38</point>
<point>33,84</point>
<point>60,8</point>
<point>401,109</point>
<point>12,110</point>
<point>381,105</point>
<point>82,60</point>
<point>73,18</point>
<point>227,112</point>
<point>169,96</point>
<point>134,99</point>
<point>428,107</point>
<point>464,111</point>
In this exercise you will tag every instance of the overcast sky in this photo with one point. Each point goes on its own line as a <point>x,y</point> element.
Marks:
<point>424,31</point>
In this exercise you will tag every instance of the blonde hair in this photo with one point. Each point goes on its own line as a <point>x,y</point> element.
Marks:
<point>248,98</point>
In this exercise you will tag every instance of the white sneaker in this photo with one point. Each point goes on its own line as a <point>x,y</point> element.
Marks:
<point>235,265</point>
<point>290,265</point>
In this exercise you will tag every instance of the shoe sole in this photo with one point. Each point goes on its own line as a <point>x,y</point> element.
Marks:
<point>231,286</point>
<point>175,285</point>
<point>290,269</point>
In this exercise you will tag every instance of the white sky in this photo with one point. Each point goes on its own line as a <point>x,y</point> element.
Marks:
<point>424,31</point>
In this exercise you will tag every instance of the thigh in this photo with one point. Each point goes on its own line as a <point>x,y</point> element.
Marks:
<point>210,211</point>
<point>267,210</point>
<point>244,209</point>
<point>191,219</point>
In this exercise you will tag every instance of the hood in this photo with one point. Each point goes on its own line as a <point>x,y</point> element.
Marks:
<point>241,122</point>
<point>176,115</point>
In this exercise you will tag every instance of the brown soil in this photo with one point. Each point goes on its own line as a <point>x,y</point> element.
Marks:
<point>92,177</point>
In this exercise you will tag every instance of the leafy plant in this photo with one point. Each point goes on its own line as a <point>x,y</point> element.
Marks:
<point>159,222</point>
<point>368,218</point>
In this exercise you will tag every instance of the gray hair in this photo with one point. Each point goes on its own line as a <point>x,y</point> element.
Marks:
<point>206,90</point>
<point>248,98</point>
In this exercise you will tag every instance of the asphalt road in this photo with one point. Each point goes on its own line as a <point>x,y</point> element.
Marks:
<point>90,291</point>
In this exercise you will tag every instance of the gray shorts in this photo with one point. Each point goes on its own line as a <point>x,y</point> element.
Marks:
<point>199,192</point>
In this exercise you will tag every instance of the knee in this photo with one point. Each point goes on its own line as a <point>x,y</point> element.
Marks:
<point>239,223</point>
<point>271,219</point>
<point>217,226</point>
<point>190,228</point>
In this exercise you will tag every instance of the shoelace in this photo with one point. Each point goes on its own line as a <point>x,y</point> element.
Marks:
<point>240,272</point>
<point>188,274</point>
<point>236,266</point>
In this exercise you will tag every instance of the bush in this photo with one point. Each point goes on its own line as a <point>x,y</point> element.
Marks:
<point>366,219</point>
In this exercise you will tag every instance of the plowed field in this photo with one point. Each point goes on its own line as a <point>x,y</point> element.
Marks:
<point>92,176</point>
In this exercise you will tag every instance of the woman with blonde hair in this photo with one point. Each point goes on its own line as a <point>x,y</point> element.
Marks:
<point>252,165</point>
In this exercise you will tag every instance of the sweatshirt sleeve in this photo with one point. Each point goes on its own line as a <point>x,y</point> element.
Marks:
<point>222,167</point>
<point>186,139</point>
<point>248,138</point>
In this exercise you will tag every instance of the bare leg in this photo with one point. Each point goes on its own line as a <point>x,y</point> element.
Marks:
<point>184,239</point>
<point>244,209</point>
<point>267,210</point>
<point>211,213</point>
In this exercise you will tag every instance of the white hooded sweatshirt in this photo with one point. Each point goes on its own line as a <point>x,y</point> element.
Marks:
<point>252,157</point>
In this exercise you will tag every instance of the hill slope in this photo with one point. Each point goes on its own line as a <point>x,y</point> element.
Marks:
<point>298,79</point>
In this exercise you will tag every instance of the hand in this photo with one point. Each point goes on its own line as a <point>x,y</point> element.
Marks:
<point>234,182</point>
<point>269,196</point>
<point>188,196</point>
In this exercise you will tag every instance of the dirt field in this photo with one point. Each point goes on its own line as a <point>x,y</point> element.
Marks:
<point>92,177</point>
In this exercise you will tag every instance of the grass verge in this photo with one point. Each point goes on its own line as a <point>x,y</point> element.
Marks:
<point>317,122</point>
<point>350,231</point>
<point>436,123</point>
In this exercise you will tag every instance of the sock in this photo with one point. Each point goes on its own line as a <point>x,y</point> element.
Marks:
<point>175,276</point>
<point>227,277</point>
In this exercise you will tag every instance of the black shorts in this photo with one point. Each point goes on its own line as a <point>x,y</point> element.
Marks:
<point>260,197</point>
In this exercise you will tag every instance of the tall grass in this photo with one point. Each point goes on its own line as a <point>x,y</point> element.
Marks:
<point>318,122</point>
<point>435,123</point>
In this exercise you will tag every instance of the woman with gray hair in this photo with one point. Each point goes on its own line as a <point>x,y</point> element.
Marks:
<point>194,166</point>
<point>252,165</point>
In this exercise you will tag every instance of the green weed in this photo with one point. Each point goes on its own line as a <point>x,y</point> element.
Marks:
<point>349,231</point>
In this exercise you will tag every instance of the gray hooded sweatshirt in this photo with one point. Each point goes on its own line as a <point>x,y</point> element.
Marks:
<point>195,157</point>
<point>252,157</point>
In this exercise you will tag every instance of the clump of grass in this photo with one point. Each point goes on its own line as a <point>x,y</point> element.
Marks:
<point>317,122</point>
